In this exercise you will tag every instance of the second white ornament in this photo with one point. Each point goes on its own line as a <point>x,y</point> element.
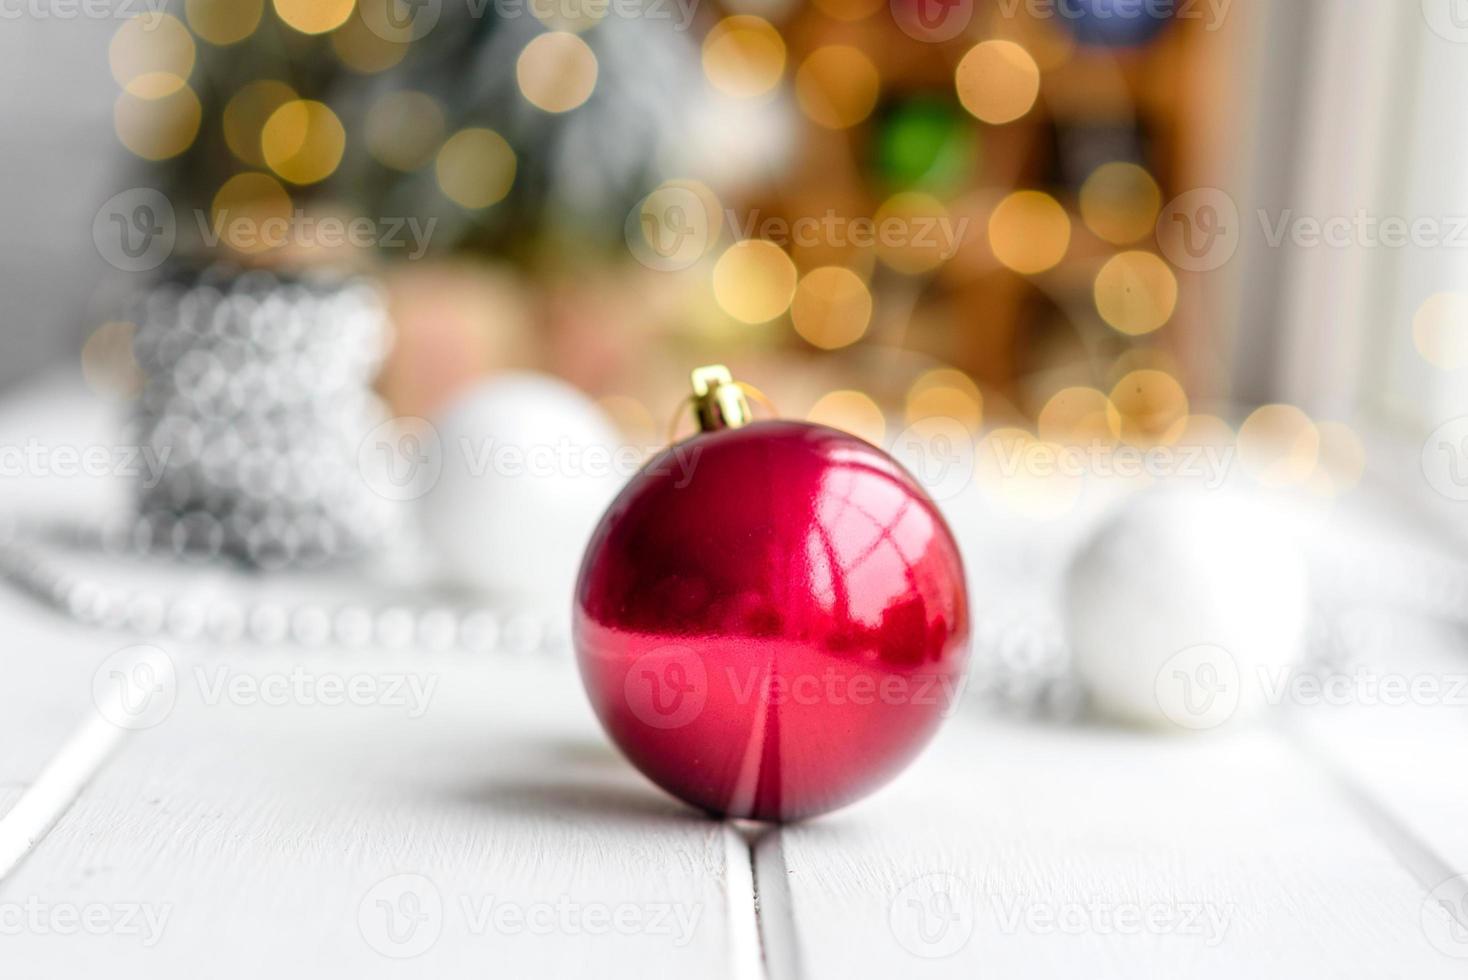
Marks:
<point>1186,609</point>
<point>528,465</point>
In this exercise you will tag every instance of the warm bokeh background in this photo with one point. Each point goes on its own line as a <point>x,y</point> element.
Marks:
<point>614,192</point>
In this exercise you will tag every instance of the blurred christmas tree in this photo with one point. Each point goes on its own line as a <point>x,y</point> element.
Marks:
<point>952,213</point>
<point>450,113</point>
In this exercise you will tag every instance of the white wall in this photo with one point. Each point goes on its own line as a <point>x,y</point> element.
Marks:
<point>59,160</point>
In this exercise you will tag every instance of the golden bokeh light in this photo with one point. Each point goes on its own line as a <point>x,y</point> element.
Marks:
<point>1148,408</point>
<point>832,307</point>
<point>108,365</point>
<point>1051,45</point>
<point>223,22</point>
<point>577,16</point>
<point>837,86</point>
<point>944,393</point>
<point>997,81</point>
<point>1029,232</point>
<point>1136,293</point>
<point>248,210</point>
<point>1440,330</point>
<point>1342,455</point>
<point>850,10</point>
<point>556,71</point>
<point>853,412</point>
<point>1206,430</point>
<point>1077,416</point>
<point>1021,474</point>
<point>314,16</point>
<point>632,418</point>
<point>157,129</point>
<point>246,113</point>
<point>152,55</point>
<point>914,232</point>
<point>371,48</point>
<point>754,281</point>
<point>1140,356</point>
<point>743,56</point>
<point>1279,446</point>
<point>403,129</point>
<point>303,141</point>
<point>475,168</point>
<point>1120,203</point>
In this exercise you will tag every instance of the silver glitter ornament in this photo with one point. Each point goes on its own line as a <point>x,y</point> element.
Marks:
<point>257,399</point>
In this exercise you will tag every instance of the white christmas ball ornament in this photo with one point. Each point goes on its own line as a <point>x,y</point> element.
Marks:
<point>528,466</point>
<point>1187,611</point>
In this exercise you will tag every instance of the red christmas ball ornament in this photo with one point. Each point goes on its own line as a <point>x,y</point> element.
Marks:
<point>771,619</point>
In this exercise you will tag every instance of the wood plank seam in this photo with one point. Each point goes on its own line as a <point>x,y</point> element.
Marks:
<point>741,880</point>
<point>1431,870</point>
<point>773,909</point>
<point>47,799</point>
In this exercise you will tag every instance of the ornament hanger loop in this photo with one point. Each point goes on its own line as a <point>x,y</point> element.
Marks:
<point>719,402</point>
<point>759,398</point>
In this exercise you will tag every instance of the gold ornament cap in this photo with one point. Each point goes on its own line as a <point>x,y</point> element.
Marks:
<point>718,400</point>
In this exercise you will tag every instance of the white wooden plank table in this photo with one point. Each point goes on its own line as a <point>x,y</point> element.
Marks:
<point>486,826</point>
<point>1014,851</point>
<point>47,662</point>
<point>467,818</point>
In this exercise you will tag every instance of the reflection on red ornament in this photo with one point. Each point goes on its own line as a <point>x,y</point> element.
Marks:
<point>771,619</point>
